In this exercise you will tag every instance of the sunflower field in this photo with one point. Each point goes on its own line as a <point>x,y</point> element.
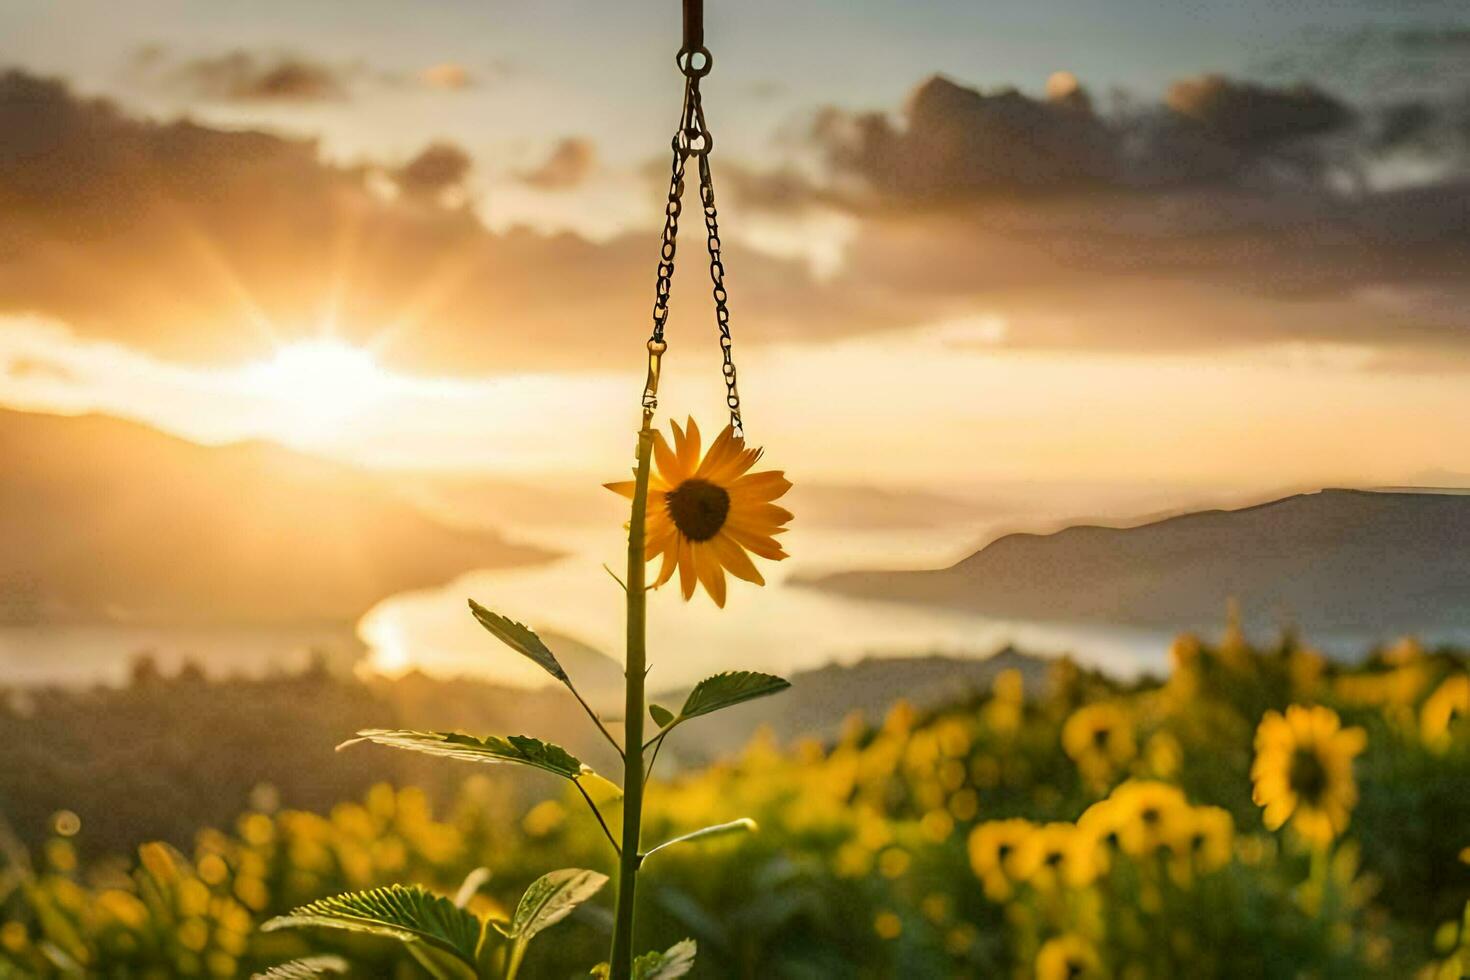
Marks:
<point>1259,813</point>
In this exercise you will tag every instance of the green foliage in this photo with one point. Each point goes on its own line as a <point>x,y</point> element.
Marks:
<point>728,689</point>
<point>407,913</point>
<point>519,639</point>
<point>444,937</point>
<point>717,692</point>
<point>306,968</point>
<point>550,899</point>
<point>662,717</point>
<point>519,749</point>
<point>671,964</point>
<point>744,825</point>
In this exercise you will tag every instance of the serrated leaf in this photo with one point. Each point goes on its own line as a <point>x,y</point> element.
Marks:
<point>744,825</point>
<point>306,968</point>
<point>661,716</point>
<point>671,964</point>
<point>408,913</point>
<point>725,690</point>
<point>519,639</point>
<point>551,898</point>
<point>491,749</point>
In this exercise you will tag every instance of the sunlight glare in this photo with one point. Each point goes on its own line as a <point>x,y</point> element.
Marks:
<point>320,383</point>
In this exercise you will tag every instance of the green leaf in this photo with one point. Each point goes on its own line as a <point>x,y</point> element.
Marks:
<point>742,826</point>
<point>519,749</point>
<point>671,964</point>
<point>306,968</point>
<point>408,913</point>
<point>551,898</point>
<point>725,690</point>
<point>661,716</point>
<point>519,639</point>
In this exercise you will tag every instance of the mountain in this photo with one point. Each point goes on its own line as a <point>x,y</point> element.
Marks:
<point>1329,561</point>
<point>108,521</point>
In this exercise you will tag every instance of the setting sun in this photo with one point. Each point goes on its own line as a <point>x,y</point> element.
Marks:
<point>320,383</point>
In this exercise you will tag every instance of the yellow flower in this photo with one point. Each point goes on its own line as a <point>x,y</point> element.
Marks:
<point>1303,771</point>
<point>1450,701</point>
<point>1058,855</point>
<point>704,515</point>
<point>994,849</point>
<point>1148,816</point>
<point>1099,738</point>
<point>1068,957</point>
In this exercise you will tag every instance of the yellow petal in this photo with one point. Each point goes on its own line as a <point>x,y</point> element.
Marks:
<point>689,451</point>
<point>687,578</point>
<point>733,557</point>
<point>668,462</point>
<point>759,487</point>
<point>711,575</point>
<point>671,562</point>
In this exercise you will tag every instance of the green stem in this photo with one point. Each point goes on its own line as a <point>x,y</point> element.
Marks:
<point>517,953</point>
<point>621,958</point>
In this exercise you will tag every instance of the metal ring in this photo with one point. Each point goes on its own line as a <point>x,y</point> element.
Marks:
<point>685,60</point>
<point>684,142</point>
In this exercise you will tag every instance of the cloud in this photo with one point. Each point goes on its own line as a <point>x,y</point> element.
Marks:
<point>569,164</point>
<point>248,76</point>
<point>956,142</point>
<point>438,170</point>
<point>1149,230</point>
<point>447,76</point>
<point>211,246</point>
<point>1255,117</point>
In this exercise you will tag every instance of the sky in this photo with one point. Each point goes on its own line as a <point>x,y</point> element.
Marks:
<point>1217,245</point>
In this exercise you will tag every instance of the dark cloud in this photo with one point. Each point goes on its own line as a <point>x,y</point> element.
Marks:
<point>439,169</point>
<point>1255,117</point>
<point>569,164</point>
<point>247,76</point>
<point>957,142</point>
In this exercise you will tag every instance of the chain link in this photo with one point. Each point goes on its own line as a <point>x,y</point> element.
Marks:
<point>692,139</point>
<point>717,280</point>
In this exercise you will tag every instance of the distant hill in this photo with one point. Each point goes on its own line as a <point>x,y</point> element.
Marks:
<point>1347,560</point>
<point>170,753</point>
<point>820,700</point>
<point>108,521</point>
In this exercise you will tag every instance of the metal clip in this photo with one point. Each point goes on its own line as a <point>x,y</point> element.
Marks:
<point>656,350</point>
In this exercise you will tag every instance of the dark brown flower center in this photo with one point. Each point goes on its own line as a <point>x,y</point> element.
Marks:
<point>1308,776</point>
<point>698,509</point>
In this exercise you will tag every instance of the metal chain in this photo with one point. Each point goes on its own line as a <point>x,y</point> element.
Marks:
<point>717,279</point>
<point>692,139</point>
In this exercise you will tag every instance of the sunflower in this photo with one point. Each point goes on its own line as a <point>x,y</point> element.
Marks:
<point>1205,843</point>
<point>1303,771</point>
<point>1068,957</point>
<point>1056,855</point>
<point>1099,738</point>
<point>705,514</point>
<point>994,849</point>
<point>1148,816</point>
<point>1449,702</point>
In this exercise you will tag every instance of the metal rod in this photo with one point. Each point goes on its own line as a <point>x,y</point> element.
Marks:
<point>693,24</point>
